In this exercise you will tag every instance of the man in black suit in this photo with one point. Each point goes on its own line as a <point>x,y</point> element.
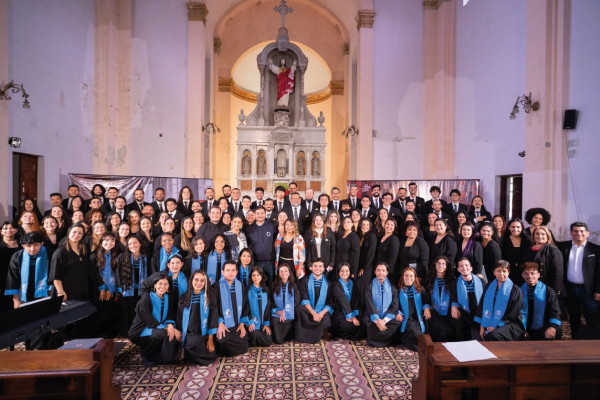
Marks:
<point>148,211</point>
<point>293,188</point>
<point>209,194</point>
<point>323,208</point>
<point>410,208</point>
<point>400,202</point>
<point>435,192</point>
<point>419,201</point>
<point>235,205</point>
<point>55,200</point>
<point>437,208</point>
<point>259,202</point>
<point>376,202</point>
<point>393,212</point>
<point>138,203</point>
<point>581,259</point>
<point>246,203</point>
<point>109,206</point>
<point>173,213</point>
<point>159,201</point>
<point>226,189</point>
<point>98,191</point>
<point>73,192</point>
<point>270,213</point>
<point>280,202</point>
<point>298,213</point>
<point>353,199</point>
<point>455,206</point>
<point>310,203</point>
<point>121,208</point>
<point>477,212</point>
<point>334,204</point>
<point>366,210</point>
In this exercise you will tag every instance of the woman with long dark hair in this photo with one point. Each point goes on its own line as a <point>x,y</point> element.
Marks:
<point>9,245</point>
<point>259,299</point>
<point>388,248</point>
<point>196,259</point>
<point>469,247</point>
<point>345,320</point>
<point>440,285</point>
<point>319,242</point>
<point>443,243</point>
<point>348,246</point>
<point>513,248</point>
<point>185,200</point>
<point>245,263</point>
<point>183,241</point>
<point>286,300</point>
<point>366,258</point>
<point>491,248</point>
<point>217,253</point>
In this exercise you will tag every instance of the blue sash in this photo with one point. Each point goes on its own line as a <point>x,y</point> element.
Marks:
<point>226,302</point>
<point>288,307</point>
<point>181,283</point>
<point>211,265</point>
<point>347,287</point>
<point>107,274</point>
<point>196,264</point>
<point>41,274</point>
<point>156,306</point>
<point>405,309</point>
<point>492,314</point>
<point>440,305</point>
<point>539,305</point>
<point>244,275</point>
<point>257,315</point>
<point>320,304</point>
<point>382,303</point>
<point>164,257</point>
<point>143,275</point>
<point>204,313</point>
<point>461,289</point>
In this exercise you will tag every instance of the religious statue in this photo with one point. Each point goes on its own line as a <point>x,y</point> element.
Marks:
<point>285,81</point>
<point>261,164</point>
<point>300,164</point>
<point>316,164</point>
<point>246,164</point>
<point>281,163</point>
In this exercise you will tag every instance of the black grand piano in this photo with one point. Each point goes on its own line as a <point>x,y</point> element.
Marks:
<point>34,320</point>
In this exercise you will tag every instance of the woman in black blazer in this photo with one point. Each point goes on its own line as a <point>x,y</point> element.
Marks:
<point>442,243</point>
<point>414,251</point>
<point>544,252</point>
<point>388,248</point>
<point>319,242</point>
<point>469,247</point>
<point>366,259</point>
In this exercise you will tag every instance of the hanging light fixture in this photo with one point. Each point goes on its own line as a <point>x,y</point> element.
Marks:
<point>15,88</point>
<point>527,104</point>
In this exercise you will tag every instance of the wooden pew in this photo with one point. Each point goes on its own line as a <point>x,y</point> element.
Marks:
<point>59,374</point>
<point>523,370</point>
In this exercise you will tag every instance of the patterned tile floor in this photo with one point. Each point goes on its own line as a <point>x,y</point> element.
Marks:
<point>329,370</point>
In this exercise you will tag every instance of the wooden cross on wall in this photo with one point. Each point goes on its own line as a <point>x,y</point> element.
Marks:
<point>283,9</point>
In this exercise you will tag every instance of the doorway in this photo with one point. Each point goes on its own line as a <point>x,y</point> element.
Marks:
<point>25,179</point>
<point>511,196</point>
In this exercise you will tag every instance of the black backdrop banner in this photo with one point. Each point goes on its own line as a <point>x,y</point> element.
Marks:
<point>469,188</point>
<point>128,184</point>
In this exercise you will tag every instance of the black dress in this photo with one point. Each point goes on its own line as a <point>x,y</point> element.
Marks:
<point>283,331</point>
<point>232,344</point>
<point>412,330</point>
<point>344,309</point>
<point>514,255</point>
<point>366,262</point>
<point>79,278</point>
<point>375,337</point>
<point>131,294</point>
<point>6,253</point>
<point>416,255</point>
<point>106,319</point>
<point>195,343</point>
<point>387,251</point>
<point>474,253</point>
<point>307,329</point>
<point>348,250</point>
<point>446,247</point>
<point>258,337</point>
<point>491,254</point>
<point>442,328</point>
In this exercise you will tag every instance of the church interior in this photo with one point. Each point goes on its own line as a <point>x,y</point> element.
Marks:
<point>320,93</point>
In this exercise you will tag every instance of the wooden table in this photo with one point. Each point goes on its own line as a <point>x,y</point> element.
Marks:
<point>523,370</point>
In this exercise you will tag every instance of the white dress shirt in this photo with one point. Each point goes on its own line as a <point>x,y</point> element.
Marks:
<point>575,268</point>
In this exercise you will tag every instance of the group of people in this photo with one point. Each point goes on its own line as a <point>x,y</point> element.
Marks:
<point>217,276</point>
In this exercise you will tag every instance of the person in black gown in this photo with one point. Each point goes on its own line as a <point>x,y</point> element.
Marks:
<point>197,318</point>
<point>153,327</point>
<point>381,307</point>
<point>348,246</point>
<point>469,289</point>
<point>499,311</point>
<point>414,251</point>
<point>514,243</point>
<point>345,320</point>
<point>413,310</point>
<point>469,247</point>
<point>286,300</point>
<point>541,311</point>
<point>442,243</point>
<point>388,248</point>
<point>314,313</point>
<point>9,245</point>
<point>440,285</point>
<point>232,337</point>
<point>319,242</point>
<point>544,252</point>
<point>366,259</point>
<point>491,249</point>
<point>259,321</point>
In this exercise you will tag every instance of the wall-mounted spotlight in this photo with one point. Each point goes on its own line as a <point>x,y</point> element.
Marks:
<point>527,104</point>
<point>211,127</point>
<point>14,142</point>
<point>350,131</point>
<point>15,88</point>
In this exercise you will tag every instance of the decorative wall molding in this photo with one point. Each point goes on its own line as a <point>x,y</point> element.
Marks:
<point>217,45</point>
<point>228,85</point>
<point>433,4</point>
<point>365,19</point>
<point>197,11</point>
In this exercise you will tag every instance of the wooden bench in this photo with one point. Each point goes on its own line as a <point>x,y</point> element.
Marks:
<point>523,370</point>
<point>59,374</point>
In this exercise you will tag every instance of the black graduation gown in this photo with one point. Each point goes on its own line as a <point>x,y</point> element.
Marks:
<point>491,254</point>
<point>514,255</point>
<point>105,321</point>
<point>146,285</point>
<point>466,327</point>
<point>155,348</point>
<point>258,337</point>
<point>79,278</point>
<point>6,253</point>
<point>446,247</point>
<point>551,316</point>
<point>387,251</point>
<point>550,260</point>
<point>375,337</point>
<point>366,262</point>
<point>13,278</point>
<point>127,304</point>
<point>512,319</point>
<point>474,254</point>
<point>418,254</point>
<point>308,330</point>
<point>412,331</point>
<point>348,250</point>
<point>232,344</point>
<point>340,327</point>
<point>328,249</point>
<point>282,331</point>
<point>195,344</point>
<point>442,328</point>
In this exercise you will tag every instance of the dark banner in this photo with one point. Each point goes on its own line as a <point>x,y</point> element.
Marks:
<point>128,184</point>
<point>469,188</point>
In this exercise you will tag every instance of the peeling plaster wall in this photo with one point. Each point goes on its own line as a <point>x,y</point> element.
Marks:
<point>51,45</point>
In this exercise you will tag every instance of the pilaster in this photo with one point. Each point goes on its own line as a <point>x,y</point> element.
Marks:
<point>5,150</point>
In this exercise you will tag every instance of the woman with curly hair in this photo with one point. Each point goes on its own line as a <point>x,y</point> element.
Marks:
<point>290,249</point>
<point>440,284</point>
<point>535,217</point>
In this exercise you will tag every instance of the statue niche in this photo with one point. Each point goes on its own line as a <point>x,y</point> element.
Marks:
<point>261,164</point>
<point>301,164</point>
<point>246,163</point>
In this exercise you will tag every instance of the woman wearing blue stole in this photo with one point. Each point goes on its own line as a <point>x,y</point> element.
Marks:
<point>245,262</point>
<point>286,299</point>
<point>469,289</point>
<point>104,260</point>
<point>166,250</point>
<point>381,306</point>
<point>440,284</point>
<point>345,296</point>
<point>153,327</point>
<point>414,308</point>
<point>198,319</point>
<point>195,261</point>
<point>217,253</point>
<point>259,322</point>
<point>499,311</point>
<point>133,269</point>
<point>314,312</point>
<point>28,271</point>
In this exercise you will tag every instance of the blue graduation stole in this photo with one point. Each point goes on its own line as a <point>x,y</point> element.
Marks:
<point>440,304</point>
<point>244,275</point>
<point>211,265</point>
<point>492,316</point>
<point>382,303</point>
<point>288,307</point>
<point>257,315</point>
<point>197,264</point>
<point>320,304</point>
<point>204,312</point>
<point>226,302</point>
<point>41,274</point>
<point>405,308</point>
<point>347,287</point>
<point>181,283</point>
<point>461,289</point>
<point>107,274</point>
<point>143,275</point>
<point>539,306</point>
<point>164,257</point>
<point>157,302</point>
